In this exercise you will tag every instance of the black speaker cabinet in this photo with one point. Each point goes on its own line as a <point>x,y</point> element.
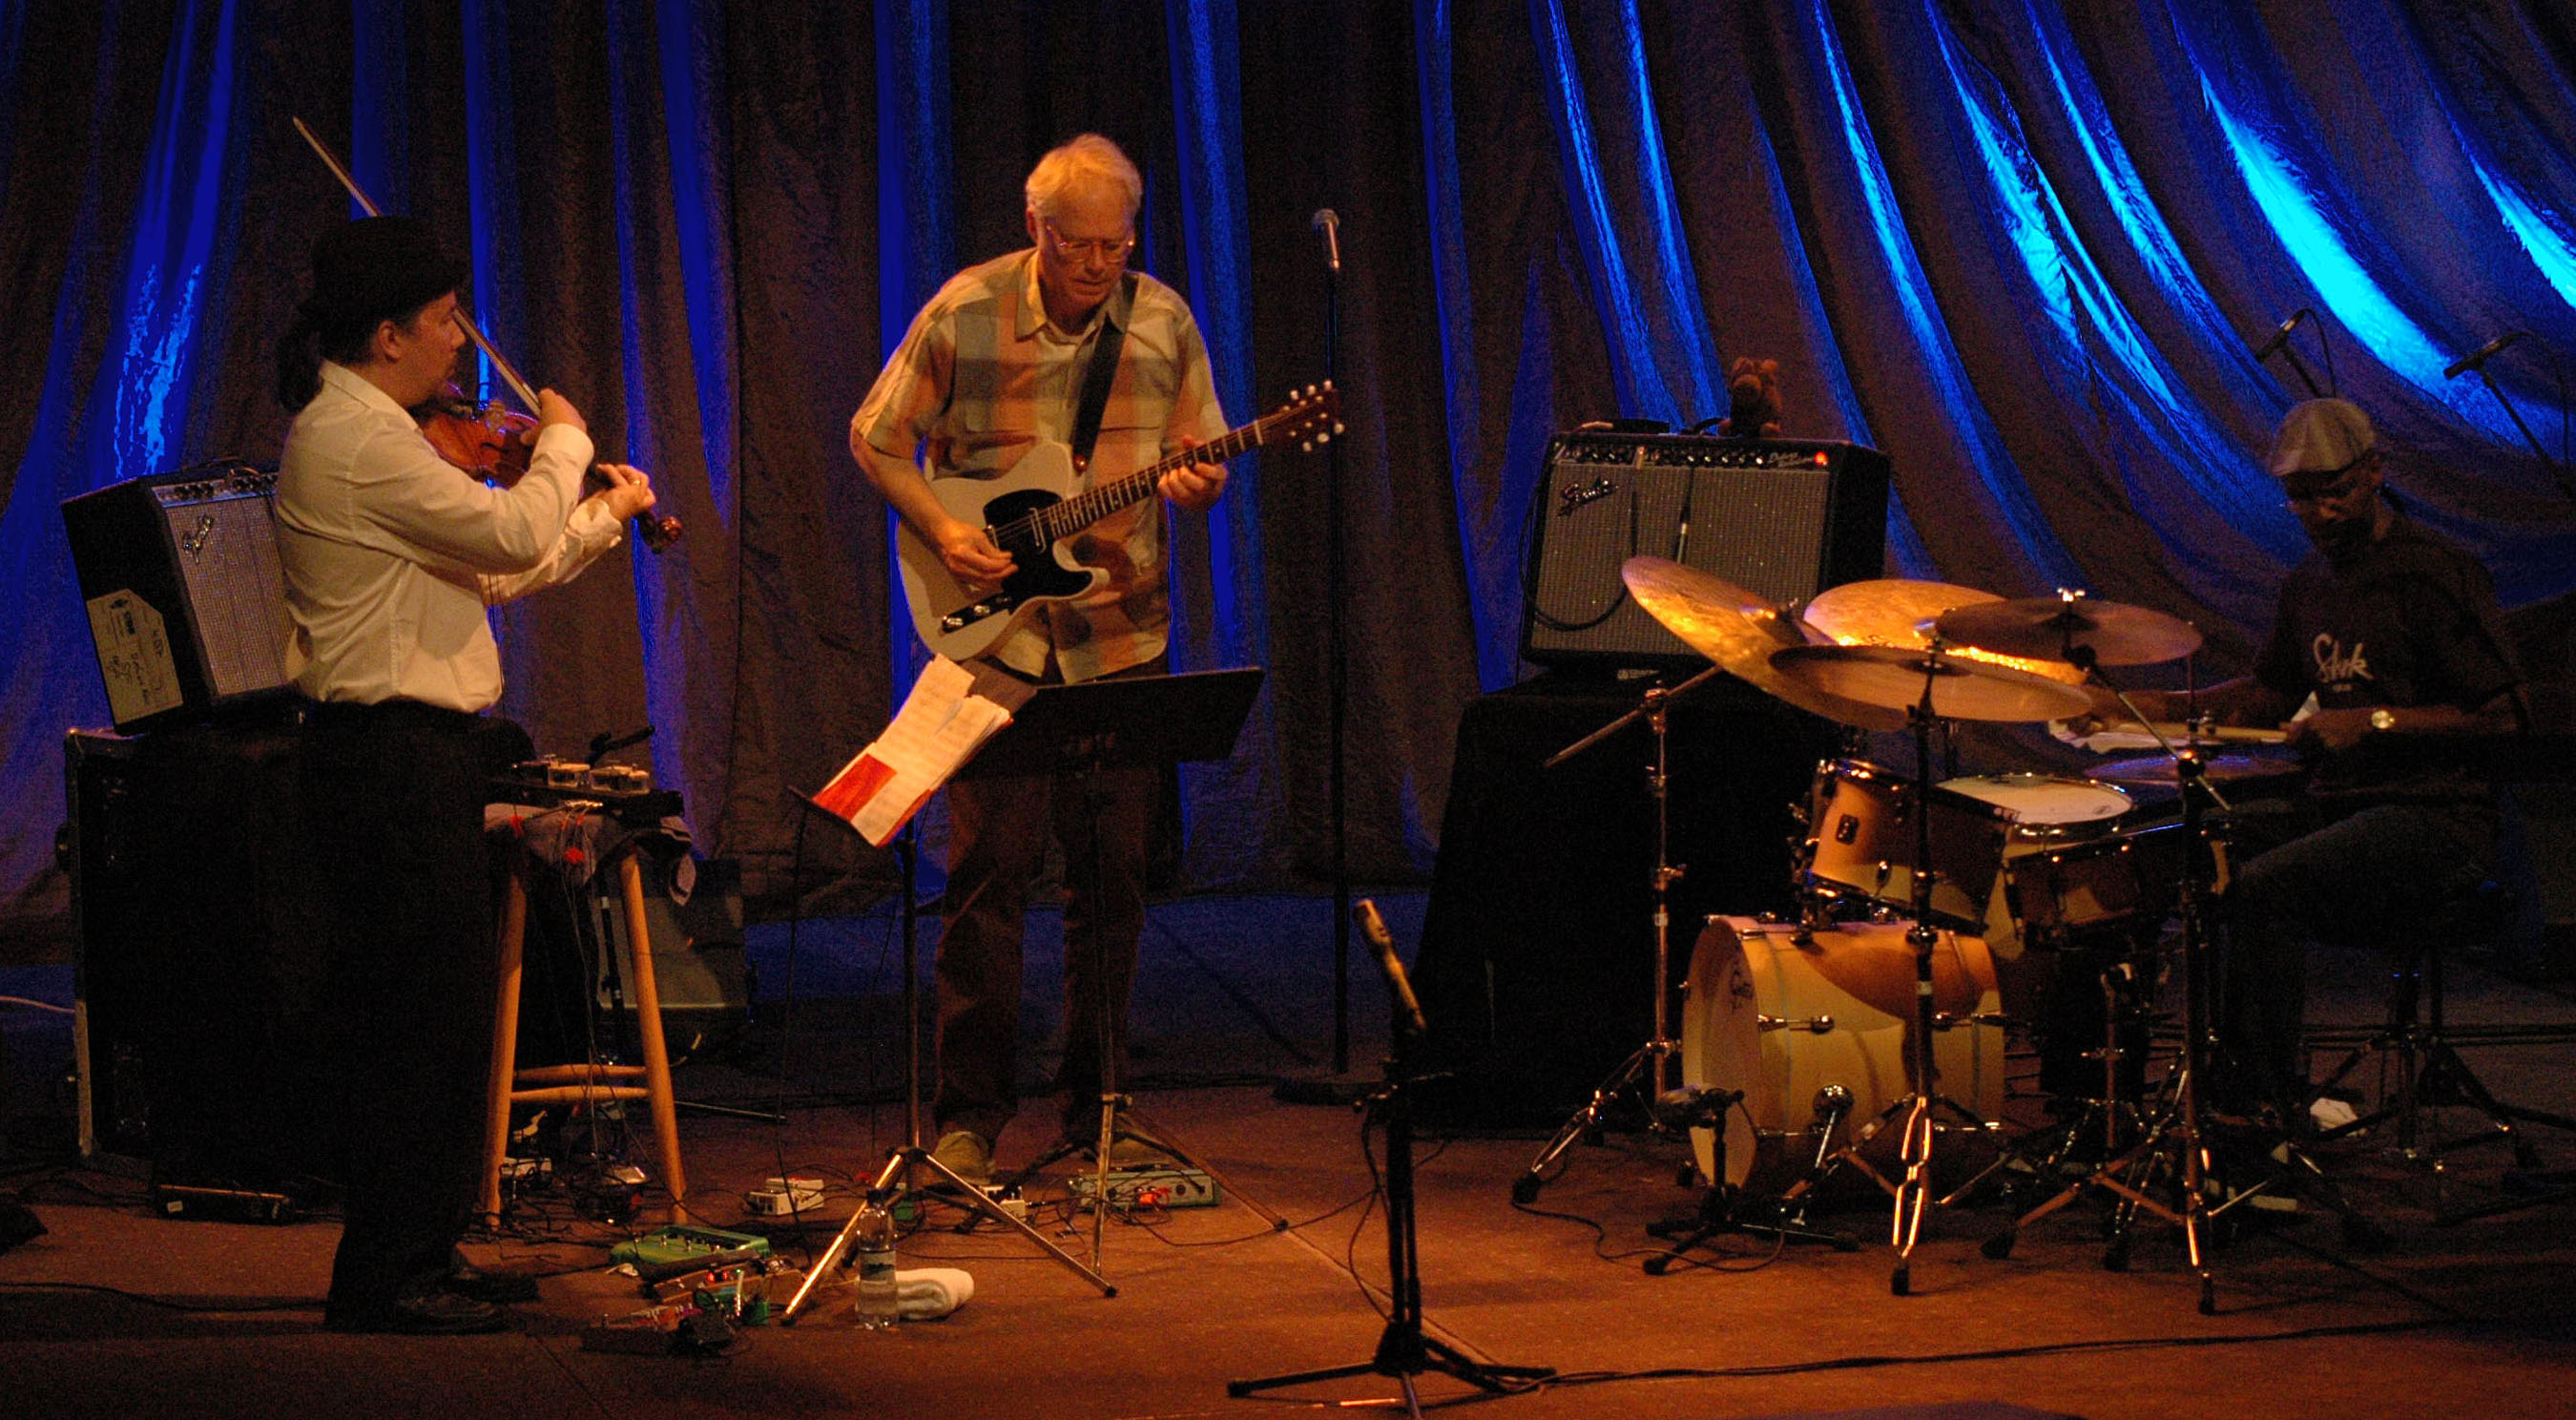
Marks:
<point>187,605</point>
<point>1781,518</point>
<point>1536,968</point>
<point>198,1033</point>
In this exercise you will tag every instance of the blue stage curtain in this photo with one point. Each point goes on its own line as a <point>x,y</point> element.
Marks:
<point>2023,246</point>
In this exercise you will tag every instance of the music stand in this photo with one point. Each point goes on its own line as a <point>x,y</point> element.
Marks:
<point>1083,730</point>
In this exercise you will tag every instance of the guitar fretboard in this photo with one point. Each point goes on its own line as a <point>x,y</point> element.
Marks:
<point>1063,519</point>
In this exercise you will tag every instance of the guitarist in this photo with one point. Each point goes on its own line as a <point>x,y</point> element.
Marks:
<point>1001,358</point>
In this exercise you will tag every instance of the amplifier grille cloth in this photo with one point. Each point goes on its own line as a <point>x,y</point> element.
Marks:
<point>1756,528</point>
<point>227,555</point>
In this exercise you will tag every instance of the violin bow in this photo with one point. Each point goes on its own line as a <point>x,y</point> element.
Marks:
<point>657,533</point>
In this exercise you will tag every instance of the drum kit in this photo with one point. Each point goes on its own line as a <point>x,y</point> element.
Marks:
<point>1880,1002</point>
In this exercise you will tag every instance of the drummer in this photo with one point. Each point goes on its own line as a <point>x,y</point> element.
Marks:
<point>2394,632</point>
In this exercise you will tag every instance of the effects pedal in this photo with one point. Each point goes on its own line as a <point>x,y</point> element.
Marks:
<point>1160,1186</point>
<point>784,1197</point>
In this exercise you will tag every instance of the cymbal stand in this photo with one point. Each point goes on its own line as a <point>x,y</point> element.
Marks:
<point>1650,1068</point>
<point>1913,1188</point>
<point>2174,1146</point>
<point>903,1165</point>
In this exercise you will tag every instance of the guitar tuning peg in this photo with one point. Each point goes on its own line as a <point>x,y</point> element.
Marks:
<point>1337,426</point>
<point>1306,446</point>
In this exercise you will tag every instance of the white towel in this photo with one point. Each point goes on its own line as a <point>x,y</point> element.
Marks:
<point>929,1293</point>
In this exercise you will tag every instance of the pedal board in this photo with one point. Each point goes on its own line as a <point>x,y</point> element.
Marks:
<point>1160,1186</point>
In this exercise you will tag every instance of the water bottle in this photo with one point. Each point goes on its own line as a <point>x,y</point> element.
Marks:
<point>877,1307</point>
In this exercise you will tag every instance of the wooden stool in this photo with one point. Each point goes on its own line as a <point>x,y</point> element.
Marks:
<point>579,1084</point>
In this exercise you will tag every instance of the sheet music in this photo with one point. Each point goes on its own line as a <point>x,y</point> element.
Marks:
<point>941,725</point>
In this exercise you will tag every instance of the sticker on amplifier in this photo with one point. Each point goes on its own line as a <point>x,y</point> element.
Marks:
<point>134,655</point>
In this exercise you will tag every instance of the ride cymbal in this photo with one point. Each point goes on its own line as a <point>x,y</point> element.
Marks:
<point>2117,634</point>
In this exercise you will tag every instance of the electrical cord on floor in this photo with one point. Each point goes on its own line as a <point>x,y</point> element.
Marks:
<point>2002,1353</point>
<point>297,1304</point>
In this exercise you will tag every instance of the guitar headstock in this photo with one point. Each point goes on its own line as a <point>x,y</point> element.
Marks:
<point>1311,417</point>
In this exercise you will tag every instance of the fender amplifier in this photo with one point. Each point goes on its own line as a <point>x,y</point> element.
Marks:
<point>187,607</point>
<point>1782,518</point>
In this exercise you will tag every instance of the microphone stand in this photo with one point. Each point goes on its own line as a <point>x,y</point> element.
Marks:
<point>1403,1352</point>
<point>1337,672</point>
<point>2558,472</point>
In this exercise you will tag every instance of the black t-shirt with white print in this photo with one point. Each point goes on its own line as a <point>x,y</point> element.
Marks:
<point>2410,619</point>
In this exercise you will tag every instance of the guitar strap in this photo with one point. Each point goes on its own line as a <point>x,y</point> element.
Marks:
<point>1102,370</point>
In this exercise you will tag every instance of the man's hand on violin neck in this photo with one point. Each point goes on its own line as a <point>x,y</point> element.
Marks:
<point>553,408</point>
<point>629,491</point>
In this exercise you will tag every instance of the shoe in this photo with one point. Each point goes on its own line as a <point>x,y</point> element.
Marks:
<point>467,1280</point>
<point>965,1153</point>
<point>431,1312</point>
<point>1128,1150</point>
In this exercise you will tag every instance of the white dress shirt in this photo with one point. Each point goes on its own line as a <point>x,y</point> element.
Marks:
<point>391,554</point>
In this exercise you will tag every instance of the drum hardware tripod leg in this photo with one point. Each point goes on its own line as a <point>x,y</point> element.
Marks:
<point>2175,1146</point>
<point>1914,1190</point>
<point>1723,1209</point>
<point>2114,1110</point>
<point>1649,1070</point>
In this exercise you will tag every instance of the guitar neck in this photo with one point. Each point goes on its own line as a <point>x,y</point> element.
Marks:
<point>1063,520</point>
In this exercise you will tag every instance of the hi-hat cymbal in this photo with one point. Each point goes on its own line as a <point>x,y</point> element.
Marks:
<point>1896,611</point>
<point>1739,631</point>
<point>1961,689</point>
<point>2117,634</point>
<point>2222,768</point>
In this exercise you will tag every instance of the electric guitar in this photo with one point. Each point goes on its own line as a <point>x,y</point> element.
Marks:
<point>1032,513</point>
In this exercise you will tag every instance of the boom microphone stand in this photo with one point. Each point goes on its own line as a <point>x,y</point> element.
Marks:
<point>1649,1069</point>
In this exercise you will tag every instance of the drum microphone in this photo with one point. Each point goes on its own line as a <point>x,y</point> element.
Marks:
<point>1331,226</point>
<point>2281,337</point>
<point>2480,356</point>
<point>1695,1107</point>
<point>1372,926</point>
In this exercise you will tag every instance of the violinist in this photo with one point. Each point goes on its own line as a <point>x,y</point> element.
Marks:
<point>391,556</point>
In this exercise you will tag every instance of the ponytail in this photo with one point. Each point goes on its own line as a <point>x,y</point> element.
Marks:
<point>299,361</point>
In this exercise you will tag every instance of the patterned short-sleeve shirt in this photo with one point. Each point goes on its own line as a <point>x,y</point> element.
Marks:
<point>982,376</point>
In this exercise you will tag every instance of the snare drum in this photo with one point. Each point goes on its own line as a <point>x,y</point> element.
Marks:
<point>1780,1018</point>
<point>2115,880</point>
<point>1861,838</point>
<point>2048,808</point>
<point>2049,812</point>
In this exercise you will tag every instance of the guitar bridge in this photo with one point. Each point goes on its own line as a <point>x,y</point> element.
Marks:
<point>966,616</point>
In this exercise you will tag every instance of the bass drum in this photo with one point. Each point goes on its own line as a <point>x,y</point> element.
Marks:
<point>1780,1015</point>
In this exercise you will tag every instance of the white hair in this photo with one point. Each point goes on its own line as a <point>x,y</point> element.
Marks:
<point>1080,163</point>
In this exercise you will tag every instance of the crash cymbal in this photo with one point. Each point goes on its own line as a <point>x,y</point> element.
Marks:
<point>2118,635</point>
<point>1739,631</point>
<point>1962,689</point>
<point>1894,611</point>
<point>2222,768</point>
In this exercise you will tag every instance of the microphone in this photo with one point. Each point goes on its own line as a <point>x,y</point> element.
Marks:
<point>2281,337</point>
<point>2480,356</point>
<point>1330,225</point>
<point>1408,1007</point>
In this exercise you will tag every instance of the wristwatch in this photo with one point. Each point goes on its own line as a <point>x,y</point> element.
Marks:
<point>2383,719</point>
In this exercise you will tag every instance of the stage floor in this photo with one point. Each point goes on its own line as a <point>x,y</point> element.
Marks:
<point>117,1312</point>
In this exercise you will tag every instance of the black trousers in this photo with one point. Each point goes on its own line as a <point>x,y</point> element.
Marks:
<point>392,801</point>
<point>998,830</point>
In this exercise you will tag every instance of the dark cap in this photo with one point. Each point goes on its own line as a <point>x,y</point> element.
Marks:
<point>379,268</point>
<point>2319,436</point>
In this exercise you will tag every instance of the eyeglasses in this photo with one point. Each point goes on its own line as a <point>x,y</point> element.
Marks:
<point>2339,484</point>
<point>1110,249</point>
